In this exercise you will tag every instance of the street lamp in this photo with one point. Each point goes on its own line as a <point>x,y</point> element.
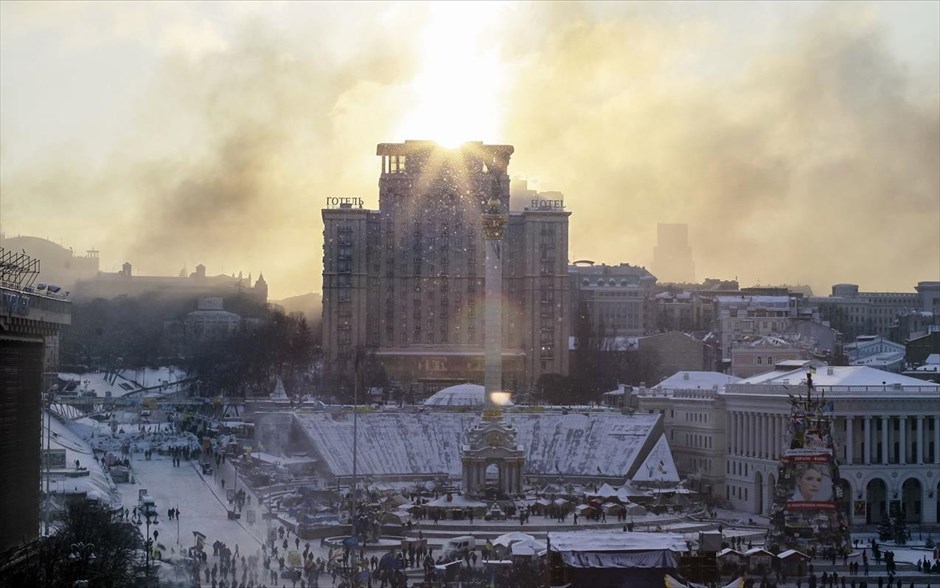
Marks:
<point>148,519</point>
<point>83,554</point>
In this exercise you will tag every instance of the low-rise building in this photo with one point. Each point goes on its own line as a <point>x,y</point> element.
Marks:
<point>750,358</point>
<point>887,431</point>
<point>872,313</point>
<point>877,352</point>
<point>672,352</point>
<point>694,421</point>
<point>616,299</point>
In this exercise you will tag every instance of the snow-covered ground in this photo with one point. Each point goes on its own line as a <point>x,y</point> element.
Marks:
<point>203,505</point>
<point>123,382</point>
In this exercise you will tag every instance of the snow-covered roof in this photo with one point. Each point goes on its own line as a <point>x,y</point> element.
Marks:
<point>391,443</point>
<point>690,380</point>
<point>930,368</point>
<point>459,395</point>
<point>122,382</point>
<point>658,465</point>
<point>605,491</point>
<point>96,485</point>
<point>279,460</point>
<point>791,553</point>
<point>767,342</point>
<point>527,548</point>
<point>456,501</point>
<point>888,358</point>
<point>617,541</point>
<point>508,539</point>
<point>839,376</point>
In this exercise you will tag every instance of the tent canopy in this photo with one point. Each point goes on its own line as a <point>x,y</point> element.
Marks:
<point>509,538</point>
<point>600,549</point>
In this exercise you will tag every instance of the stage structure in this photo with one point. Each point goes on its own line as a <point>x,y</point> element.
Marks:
<point>810,509</point>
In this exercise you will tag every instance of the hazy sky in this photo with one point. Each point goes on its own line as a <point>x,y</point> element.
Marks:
<point>800,141</point>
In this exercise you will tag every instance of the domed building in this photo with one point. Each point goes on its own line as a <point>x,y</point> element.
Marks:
<point>472,395</point>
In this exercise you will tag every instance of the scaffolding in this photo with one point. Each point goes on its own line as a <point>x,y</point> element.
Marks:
<point>17,269</point>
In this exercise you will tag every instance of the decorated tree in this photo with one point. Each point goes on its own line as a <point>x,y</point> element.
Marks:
<point>809,508</point>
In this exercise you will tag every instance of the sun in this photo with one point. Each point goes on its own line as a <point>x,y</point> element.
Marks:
<point>457,93</point>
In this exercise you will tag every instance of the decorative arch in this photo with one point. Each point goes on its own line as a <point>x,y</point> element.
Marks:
<point>493,473</point>
<point>876,501</point>
<point>912,499</point>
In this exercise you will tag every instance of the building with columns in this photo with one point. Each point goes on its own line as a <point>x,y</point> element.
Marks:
<point>728,438</point>
<point>886,432</point>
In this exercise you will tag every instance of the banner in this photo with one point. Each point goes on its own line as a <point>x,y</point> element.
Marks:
<point>809,477</point>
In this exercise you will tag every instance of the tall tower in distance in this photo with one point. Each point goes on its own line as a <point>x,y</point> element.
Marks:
<point>672,255</point>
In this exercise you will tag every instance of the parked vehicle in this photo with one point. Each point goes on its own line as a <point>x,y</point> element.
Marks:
<point>457,547</point>
<point>146,505</point>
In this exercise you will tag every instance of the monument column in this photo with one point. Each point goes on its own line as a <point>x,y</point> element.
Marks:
<point>867,443</point>
<point>494,224</point>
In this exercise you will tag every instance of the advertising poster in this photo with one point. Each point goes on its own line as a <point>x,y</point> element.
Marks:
<point>810,508</point>
<point>809,473</point>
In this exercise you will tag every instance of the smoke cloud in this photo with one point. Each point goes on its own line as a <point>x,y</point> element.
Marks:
<point>811,155</point>
<point>815,160</point>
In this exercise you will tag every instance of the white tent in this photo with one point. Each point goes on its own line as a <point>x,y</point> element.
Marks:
<point>279,392</point>
<point>659,465</point>
<point>509,538</point>
<point>633,509</point>
<point>627,491</point>
<point>612,507</point>
<point>527,548</point>
<point>605,491</point>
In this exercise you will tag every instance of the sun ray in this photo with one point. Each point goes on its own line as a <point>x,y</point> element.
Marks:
<point>459,86</point>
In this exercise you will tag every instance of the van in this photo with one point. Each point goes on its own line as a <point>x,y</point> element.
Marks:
<point>457,547</point>
<point>146,505</point>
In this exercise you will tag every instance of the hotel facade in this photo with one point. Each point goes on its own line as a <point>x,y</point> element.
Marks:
<point>406,281</point>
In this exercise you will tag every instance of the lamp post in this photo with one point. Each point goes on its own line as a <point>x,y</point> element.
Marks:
<point>147,518</point>
<point>357,361</point>
<point>81,553</point>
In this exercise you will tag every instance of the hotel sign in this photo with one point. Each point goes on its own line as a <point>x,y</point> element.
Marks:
<point>344,202</point>
<point>538,204</point>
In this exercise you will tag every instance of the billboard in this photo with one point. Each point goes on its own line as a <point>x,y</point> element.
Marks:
<point>810,507</point>
<point>808,473</point>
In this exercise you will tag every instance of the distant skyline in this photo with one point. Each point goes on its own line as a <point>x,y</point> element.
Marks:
<point>799,141</point>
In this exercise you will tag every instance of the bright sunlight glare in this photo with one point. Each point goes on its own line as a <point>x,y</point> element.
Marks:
<point>457,91</point>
